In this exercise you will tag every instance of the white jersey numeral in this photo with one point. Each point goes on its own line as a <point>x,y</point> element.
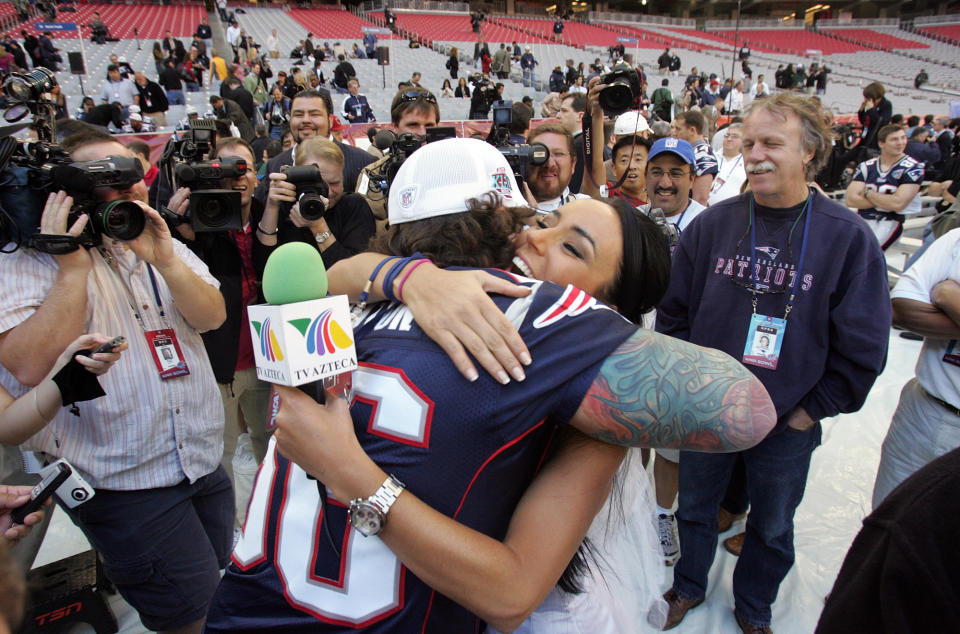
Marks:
<point>369,586</point>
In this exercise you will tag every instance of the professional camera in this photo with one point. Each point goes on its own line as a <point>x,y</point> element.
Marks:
<point>517,155</point>
<point>310,187</point>
<point>622,91</point>
<point>31,171</point>
<point>400,148</point>
<point>189,162</point>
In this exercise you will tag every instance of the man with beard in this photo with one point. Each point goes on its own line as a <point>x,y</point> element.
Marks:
<point>310,115</point>
<point>550,183</point>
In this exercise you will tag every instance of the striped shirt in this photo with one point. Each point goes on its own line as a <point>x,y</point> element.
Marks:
<point>145,433</point>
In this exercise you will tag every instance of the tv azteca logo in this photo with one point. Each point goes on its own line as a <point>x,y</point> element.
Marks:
<point>323,334</point>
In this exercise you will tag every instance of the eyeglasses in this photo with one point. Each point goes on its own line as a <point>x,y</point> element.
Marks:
<point>417,95</point>
<point>675,173</point>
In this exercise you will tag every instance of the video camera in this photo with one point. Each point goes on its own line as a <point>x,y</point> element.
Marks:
<point>310,187</point>
<point>185,164</point>
<point>517,155</point>
<point>622,91</point>
<point>29,172</point>
<point>484,92</point>
<point>401,147</point>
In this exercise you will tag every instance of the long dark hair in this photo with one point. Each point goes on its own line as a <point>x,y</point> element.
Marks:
<point>639,284</point>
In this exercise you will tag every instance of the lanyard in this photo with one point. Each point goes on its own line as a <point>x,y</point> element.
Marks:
<point>754,277</point>
<point>131,298</point>
<point>737,162</point>
<point>682,214</point>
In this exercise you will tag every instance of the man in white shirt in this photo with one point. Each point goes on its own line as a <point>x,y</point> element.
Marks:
<point>730,171</point>
<point>733,103</point>
<point>233,34</point>
<point>273,45</point>
<point>759,89</point>
<point>926,423</point>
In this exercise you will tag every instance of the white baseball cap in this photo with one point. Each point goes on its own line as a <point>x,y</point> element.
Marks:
<point>192,110</point>
<point>631,122</point>
<point>133,108</point>
<point>135,116</point>
<point>440,177</point>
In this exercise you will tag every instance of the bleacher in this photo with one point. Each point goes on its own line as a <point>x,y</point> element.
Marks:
<point>793,40</point>
<point>150,20</point>
<point>874,37</point>
<point>948,31</point>
<point>330,23</point>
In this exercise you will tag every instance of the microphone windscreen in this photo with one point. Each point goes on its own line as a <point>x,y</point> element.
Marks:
<point>294,273</point>
<point>384,139</point>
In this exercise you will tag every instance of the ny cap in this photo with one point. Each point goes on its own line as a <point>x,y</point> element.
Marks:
<point>676,146</point>
<point>631,122</point>
<point>440,177</point>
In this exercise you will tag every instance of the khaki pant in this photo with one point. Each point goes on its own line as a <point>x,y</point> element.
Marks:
<point>160,118</point>
<point>245,404</point>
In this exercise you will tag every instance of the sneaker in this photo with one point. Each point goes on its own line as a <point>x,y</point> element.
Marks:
<point>669,538</point>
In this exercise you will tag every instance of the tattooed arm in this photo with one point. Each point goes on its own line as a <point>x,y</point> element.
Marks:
<point>656,391</point>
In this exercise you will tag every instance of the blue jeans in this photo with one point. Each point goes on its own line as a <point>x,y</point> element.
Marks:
<point>527,77</point>
<point>776,477</point>
<point>175,98</point>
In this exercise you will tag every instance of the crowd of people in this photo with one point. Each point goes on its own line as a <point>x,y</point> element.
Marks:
<point>655,208</point>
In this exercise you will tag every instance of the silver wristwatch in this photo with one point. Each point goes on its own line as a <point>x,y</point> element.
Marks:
<point>322,237</point>
<point>369,515</point>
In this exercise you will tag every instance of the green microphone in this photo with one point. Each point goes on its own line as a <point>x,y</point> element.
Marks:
<point>294,273</point>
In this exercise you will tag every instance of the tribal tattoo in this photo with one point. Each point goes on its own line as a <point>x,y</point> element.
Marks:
<point>656,391</point>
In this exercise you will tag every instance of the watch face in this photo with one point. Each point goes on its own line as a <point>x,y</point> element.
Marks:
<point>365,519</point>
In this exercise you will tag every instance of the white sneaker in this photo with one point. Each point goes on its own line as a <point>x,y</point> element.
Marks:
<point>669,538</point>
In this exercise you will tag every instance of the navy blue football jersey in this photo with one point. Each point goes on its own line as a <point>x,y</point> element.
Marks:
<point>906,171</point>
<point>469,450</point>
<point>706,160</point>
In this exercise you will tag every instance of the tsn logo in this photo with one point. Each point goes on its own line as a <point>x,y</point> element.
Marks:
<point>59,613</point>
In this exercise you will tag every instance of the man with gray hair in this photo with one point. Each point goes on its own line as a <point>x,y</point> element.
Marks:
<point>786,263</point>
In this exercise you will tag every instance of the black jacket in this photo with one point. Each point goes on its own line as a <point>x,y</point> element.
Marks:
<point>105,114</point>
<point>354,160</point>
<point>241,96</point>
<point>231,111</point>
<point>219,251</point>
<point>351,222</point>
<point>170,78</point>
<point>152,97</point>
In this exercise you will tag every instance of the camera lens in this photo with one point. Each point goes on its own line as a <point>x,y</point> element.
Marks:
<point>617,98</point>
<point>209,211</point>
<point>78,494</point>
<point>119,219</point>
<point>312,207</point>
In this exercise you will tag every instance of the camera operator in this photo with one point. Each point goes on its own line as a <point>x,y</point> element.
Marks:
<point>412,111</point>
<point>342,230</point>
<point>550,183</point>
<point>162,515</point>
<point>232,257</point>
<point>310,116</point>
<point>484,94</point>
<point>276,113</point>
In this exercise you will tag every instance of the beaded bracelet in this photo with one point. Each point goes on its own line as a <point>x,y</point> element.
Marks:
<point>407,275</point>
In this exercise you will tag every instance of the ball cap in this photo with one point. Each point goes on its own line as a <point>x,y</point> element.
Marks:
<point>192,110</point>
<point>676,146</point>
<point>134,116</point>
<point>440,177</point>
<point>133,108</point>
<point>631,122</point>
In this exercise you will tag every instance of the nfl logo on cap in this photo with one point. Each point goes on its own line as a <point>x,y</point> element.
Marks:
<point>671,142</point>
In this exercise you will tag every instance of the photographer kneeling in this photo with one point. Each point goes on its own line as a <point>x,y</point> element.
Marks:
<point>340,225</point>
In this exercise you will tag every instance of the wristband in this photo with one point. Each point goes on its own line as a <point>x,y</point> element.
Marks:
<point>373,276</point>
<point>265,232</point>
<point>395,271</point>
<point>407,275</point>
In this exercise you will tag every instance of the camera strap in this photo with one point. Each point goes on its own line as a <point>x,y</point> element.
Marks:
<point>54,244</point>
<point>586,123</point>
